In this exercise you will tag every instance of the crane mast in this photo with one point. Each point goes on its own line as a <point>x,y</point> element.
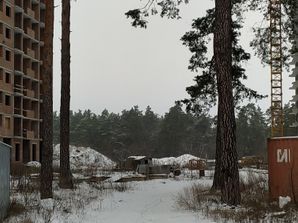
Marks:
<point>276,68</point>
<point>295,70</point>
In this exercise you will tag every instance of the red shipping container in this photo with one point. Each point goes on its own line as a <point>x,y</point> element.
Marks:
<point>283,167</point>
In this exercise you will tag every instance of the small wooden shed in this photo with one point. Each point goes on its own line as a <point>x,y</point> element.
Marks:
<point>132,162</point>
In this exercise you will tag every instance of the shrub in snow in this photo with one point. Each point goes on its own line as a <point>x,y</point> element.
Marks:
<point>255,203</point>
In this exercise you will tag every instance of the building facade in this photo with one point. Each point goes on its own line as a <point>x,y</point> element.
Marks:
<point>21,46</point>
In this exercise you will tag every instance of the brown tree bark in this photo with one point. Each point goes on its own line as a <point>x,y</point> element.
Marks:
<point>65,179</point>
<point>46,113</point>
<point>230,191</point>
<point>217,179</point>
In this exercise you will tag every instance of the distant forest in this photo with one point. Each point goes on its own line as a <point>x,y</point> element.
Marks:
<point>136,132</point>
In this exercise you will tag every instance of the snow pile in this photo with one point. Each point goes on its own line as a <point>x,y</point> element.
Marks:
<point>33,164</point>
<point>83,157</point>
<point>164,161</point>
<point>283,201</point>
<point>137,157</point>
<point>181,160</point>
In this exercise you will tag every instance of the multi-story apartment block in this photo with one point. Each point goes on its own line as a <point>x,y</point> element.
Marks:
<point>21,46</point>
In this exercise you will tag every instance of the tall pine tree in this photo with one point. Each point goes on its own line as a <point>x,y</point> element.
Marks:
<point>65,179</point>
<point>46,174</point>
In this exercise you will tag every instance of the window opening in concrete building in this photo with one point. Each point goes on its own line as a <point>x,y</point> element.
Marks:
<point>17,126</point>
<point>7,122</point>
<point>18,152</point>
<point>18,20</point>
<point>1,97</point>
<point>1,5</point>
<point>7,100</point>
<point>35,47</point>
<point>7,78</point>
<point>26,151</point>
<point>34,150</point>
<point>18,62</point>
<point>7,141</point>
<point>35,28</point>
<point>34,127</point>
<point>18,41</point>
<point>8,11</point>
<point>7,55</point>
<point>7,33</point>
<point>1,117</point>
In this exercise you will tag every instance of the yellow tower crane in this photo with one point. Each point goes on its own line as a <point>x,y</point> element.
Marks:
<point>276,68</point>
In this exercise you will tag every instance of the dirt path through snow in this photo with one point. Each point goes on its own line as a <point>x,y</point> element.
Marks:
<point>149,202</point>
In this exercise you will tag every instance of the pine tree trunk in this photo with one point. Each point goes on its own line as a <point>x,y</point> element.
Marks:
<point>230,191</point>
<point>65,179</point>
<point>46,113</point>
<point>217,179</point>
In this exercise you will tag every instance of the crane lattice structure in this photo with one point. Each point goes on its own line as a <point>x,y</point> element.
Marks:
<point>276,68</point>
<point>295,70</point>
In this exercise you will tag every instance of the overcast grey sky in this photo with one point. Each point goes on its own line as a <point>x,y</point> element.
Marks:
<point>116,66</point>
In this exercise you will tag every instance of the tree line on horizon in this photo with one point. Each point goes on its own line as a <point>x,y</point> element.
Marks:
<point>137,132</point>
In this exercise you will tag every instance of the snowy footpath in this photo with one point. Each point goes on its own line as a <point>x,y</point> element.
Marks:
<point>148,201</point>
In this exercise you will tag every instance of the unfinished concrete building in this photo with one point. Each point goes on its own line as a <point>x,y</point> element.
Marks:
<point>21,45</point>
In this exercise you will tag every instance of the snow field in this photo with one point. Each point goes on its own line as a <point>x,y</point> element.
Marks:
<point>143,202</point>
<point>153,201</point>
<point>149,201</point>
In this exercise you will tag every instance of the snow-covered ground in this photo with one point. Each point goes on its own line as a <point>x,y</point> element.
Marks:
<point>149,201</point>
<point>153,201</point>
<point>103,202</point>
<point>142,202</point>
